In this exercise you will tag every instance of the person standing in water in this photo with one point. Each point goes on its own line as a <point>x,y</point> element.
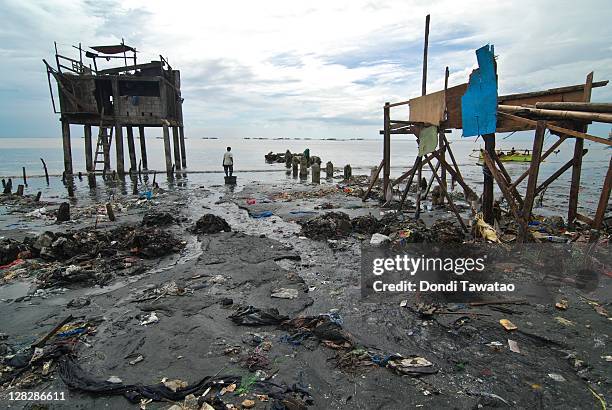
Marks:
<point>228,162</point>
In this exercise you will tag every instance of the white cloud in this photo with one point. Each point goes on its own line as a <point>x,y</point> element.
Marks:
<point>316,68</point>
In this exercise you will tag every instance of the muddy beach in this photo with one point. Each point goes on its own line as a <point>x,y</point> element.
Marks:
<point>252,298</point>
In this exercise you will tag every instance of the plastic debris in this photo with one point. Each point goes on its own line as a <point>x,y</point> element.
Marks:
<point>175,384</point>
<point>564,321</point>
<point>513,345</point>
<point>139,359</point>
<point>508,325</point>
<point>412,366</point>
<point>484,230</point>
<point>248,404</point>
<point>150,320</point>
<point>114,379</point>
<point>556,377</point>
<point>562,304</point>
<point>284,293</point>
<point>379,239</point>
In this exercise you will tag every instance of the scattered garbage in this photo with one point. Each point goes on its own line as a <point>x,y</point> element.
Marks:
<point>262,214</point>
<point>556,377</point>
<point>564,321</point>
<point>562,304</point>
<point>379,239</point>
<point>252,316</point>
<point>481,229</point>
<point>508,325</point>
<point>412,366</point>
<point>285,293</point>
<point>513,345</point>
<point>149,320</point>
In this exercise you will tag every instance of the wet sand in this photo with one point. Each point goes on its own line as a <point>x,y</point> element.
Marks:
<point>194,336</point>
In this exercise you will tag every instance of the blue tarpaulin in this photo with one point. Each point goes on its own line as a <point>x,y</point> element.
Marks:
<point>479,103</point>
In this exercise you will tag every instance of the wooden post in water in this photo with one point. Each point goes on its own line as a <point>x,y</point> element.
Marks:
<point>183,149</point>
<point>89,165</point>
<point>329,170</point>
<point>294,166</point>
<point>119,150</point>
<point>46,171</point>
<point>67,147</point>
<point>167,151</point>
<point>177,149</point>
<point>25,179</point>
<point>487,189</point>
<point>131,148</point>
<point>316,173</point>
<point>577,167</point>
<point>386,150</point>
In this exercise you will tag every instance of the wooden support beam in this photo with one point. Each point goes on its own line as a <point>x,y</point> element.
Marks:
<point>577,166</point>
<point>487,189</point>
<point>576,106</point>
<point>506,175</point>
<point>559,130</point>
<point>431,180</point>
<point>177,148</point>
<point>417,203</point>
<point>119,150</point>
<point>67,147</point>
<point>183,150</point>
<point>557,174</point>
<point>425,47</point>
<point>143,147</point>
<point>373,181</point>
<point>386,151</point>
<point>131,149</point>
<point>448,197</point>
<point>501,182</point>
<point>456,176</point>
<point>89,165</point>
<point>409,183</point>
<point>167,149</point>
<point>604,198</point>
<point>534,170</point>
<point>549,151</point>
<point>556,114</point>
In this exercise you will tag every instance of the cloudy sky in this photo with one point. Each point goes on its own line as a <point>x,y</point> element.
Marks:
<point>310,68</point>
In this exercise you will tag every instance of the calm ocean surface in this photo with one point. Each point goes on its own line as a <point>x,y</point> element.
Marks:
<point>206,155</point>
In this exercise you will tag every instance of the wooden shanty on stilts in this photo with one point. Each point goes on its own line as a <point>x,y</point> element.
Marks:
<point>125,95</point>
<point>565,112</point>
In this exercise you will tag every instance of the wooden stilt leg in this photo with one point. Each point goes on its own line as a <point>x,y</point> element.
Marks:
<point>131,148</point>
<point>534,170</point>
<point>577,167</point>
<point>386,151</point>
<point>167,150</point>
<point>603,199</point>
<point>88,149</point>
<point>67,147</point>
<point>143,147</point>
<point>182,141</point>
<point>119,150</point>
<point>177,149</point>
<point>365,196</point>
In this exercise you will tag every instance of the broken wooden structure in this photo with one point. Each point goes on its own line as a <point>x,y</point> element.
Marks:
<point>565,112</point>
<point>127,95</point>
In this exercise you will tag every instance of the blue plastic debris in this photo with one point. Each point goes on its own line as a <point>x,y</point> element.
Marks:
<point>263,214</point>
<point>479,103</point>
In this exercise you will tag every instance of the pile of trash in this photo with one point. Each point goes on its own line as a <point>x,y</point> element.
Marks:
<point>28,365</point>
<point>366,224</point>
<point>88,243</point>
<point>10,250</point>
<point>331,225</point>
<point>210,223</point>
<point>446,231</point>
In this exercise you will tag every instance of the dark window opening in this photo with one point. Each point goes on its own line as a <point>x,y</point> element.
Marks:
<point>140,88</point>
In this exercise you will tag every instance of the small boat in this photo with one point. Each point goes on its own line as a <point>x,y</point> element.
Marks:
<point>508,155</point>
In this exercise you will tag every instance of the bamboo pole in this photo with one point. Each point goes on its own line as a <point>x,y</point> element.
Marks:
<point>556,114</point>
<point>576,106</point>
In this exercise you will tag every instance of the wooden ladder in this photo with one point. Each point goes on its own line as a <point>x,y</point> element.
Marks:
<point>104,142</point>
